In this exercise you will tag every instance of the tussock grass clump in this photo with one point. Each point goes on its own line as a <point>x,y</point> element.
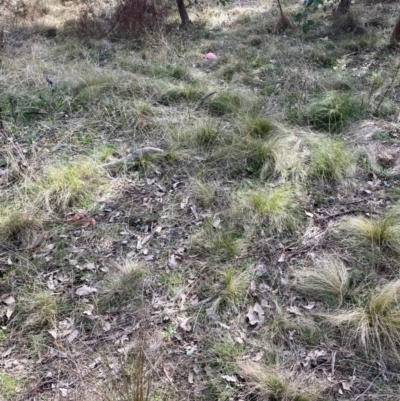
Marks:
<point>20,227</point>
<point>255,147</point>
<point>234,285</point>
<point>178,92</point>
<point>92,88</point>
<point>328,281</point>
<point>202,193</point>
<point>202,136</point>
<point>227,243</point>
<point>378,234</point>
<point>279,155</point>
<point>376,324</point>
<point>122,286</point>
<point>205,136</point>
<point>273,383</point>
<point>132,380</point>
<point>277,207</point>
<point>257,127</point>
<point>330,160</point>
<point>333,111</point>
<point>68,185</point>
<point>39,310</point>
<point>225,102</point>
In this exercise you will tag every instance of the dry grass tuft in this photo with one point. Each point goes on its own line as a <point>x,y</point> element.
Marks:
<point>327,281</point>
<point>202,193</point>
<point>273,383</point>
<point>38,310</point>
<point>376,324</point>
<point>133,380</point>
<point>233,288</point>
<point>122,286</point>
<point>378,234</point>
<point>22,228</point>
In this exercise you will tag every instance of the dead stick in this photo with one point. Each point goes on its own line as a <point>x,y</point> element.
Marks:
<point>203,100</point>
<point>134,155</point>
<point>205,301</point>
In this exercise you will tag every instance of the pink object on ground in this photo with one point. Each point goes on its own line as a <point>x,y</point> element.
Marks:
<point>210,56</point>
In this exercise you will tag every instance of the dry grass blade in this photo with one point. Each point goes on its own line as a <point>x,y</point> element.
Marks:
<point>133,381</point>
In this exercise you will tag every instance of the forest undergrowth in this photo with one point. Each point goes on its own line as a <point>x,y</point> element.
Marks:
<point>250,253</point>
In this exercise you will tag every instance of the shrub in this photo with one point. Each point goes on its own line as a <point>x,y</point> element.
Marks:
<point>128,18</point>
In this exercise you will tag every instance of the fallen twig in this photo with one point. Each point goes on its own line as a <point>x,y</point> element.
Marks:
<point>340,214</point>
<point>134,155</point>
<point>203,100</point>
<point>205,301</point>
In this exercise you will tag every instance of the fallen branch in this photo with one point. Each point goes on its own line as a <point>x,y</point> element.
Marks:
<point>203,100</point>
<point>134,155</point>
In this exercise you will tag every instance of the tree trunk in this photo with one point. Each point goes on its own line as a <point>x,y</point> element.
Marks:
<point>343,7</point>
<point>396,33</point>
<point>183,12</point>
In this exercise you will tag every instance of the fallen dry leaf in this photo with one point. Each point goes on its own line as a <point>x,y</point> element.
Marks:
<point>9,300</point>
<point>294,310</point>
<point>231,379</point>
<point>85,290</point>
<point>8,352</point>
<point>71,337</point>
<point>255,314</point>
<point>82,220</point>
<point>347,385</point>
<point>172,262</point>
<point>184,323</point>
<point>309,306</point>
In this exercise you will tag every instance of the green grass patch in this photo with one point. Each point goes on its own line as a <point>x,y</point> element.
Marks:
<point>330,160</point>
<point>226,102</point>
<point>68,185</point>
<point>332,111</point>
<point>276,208</point>
<point>257,127</point>
<point>8,385</point>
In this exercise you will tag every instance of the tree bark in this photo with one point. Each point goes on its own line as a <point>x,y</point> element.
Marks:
<point>395,37</point>
<point>183,12</point>
<point>343,7</point>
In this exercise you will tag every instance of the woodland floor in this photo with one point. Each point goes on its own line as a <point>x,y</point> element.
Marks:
<point>257,258</point>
